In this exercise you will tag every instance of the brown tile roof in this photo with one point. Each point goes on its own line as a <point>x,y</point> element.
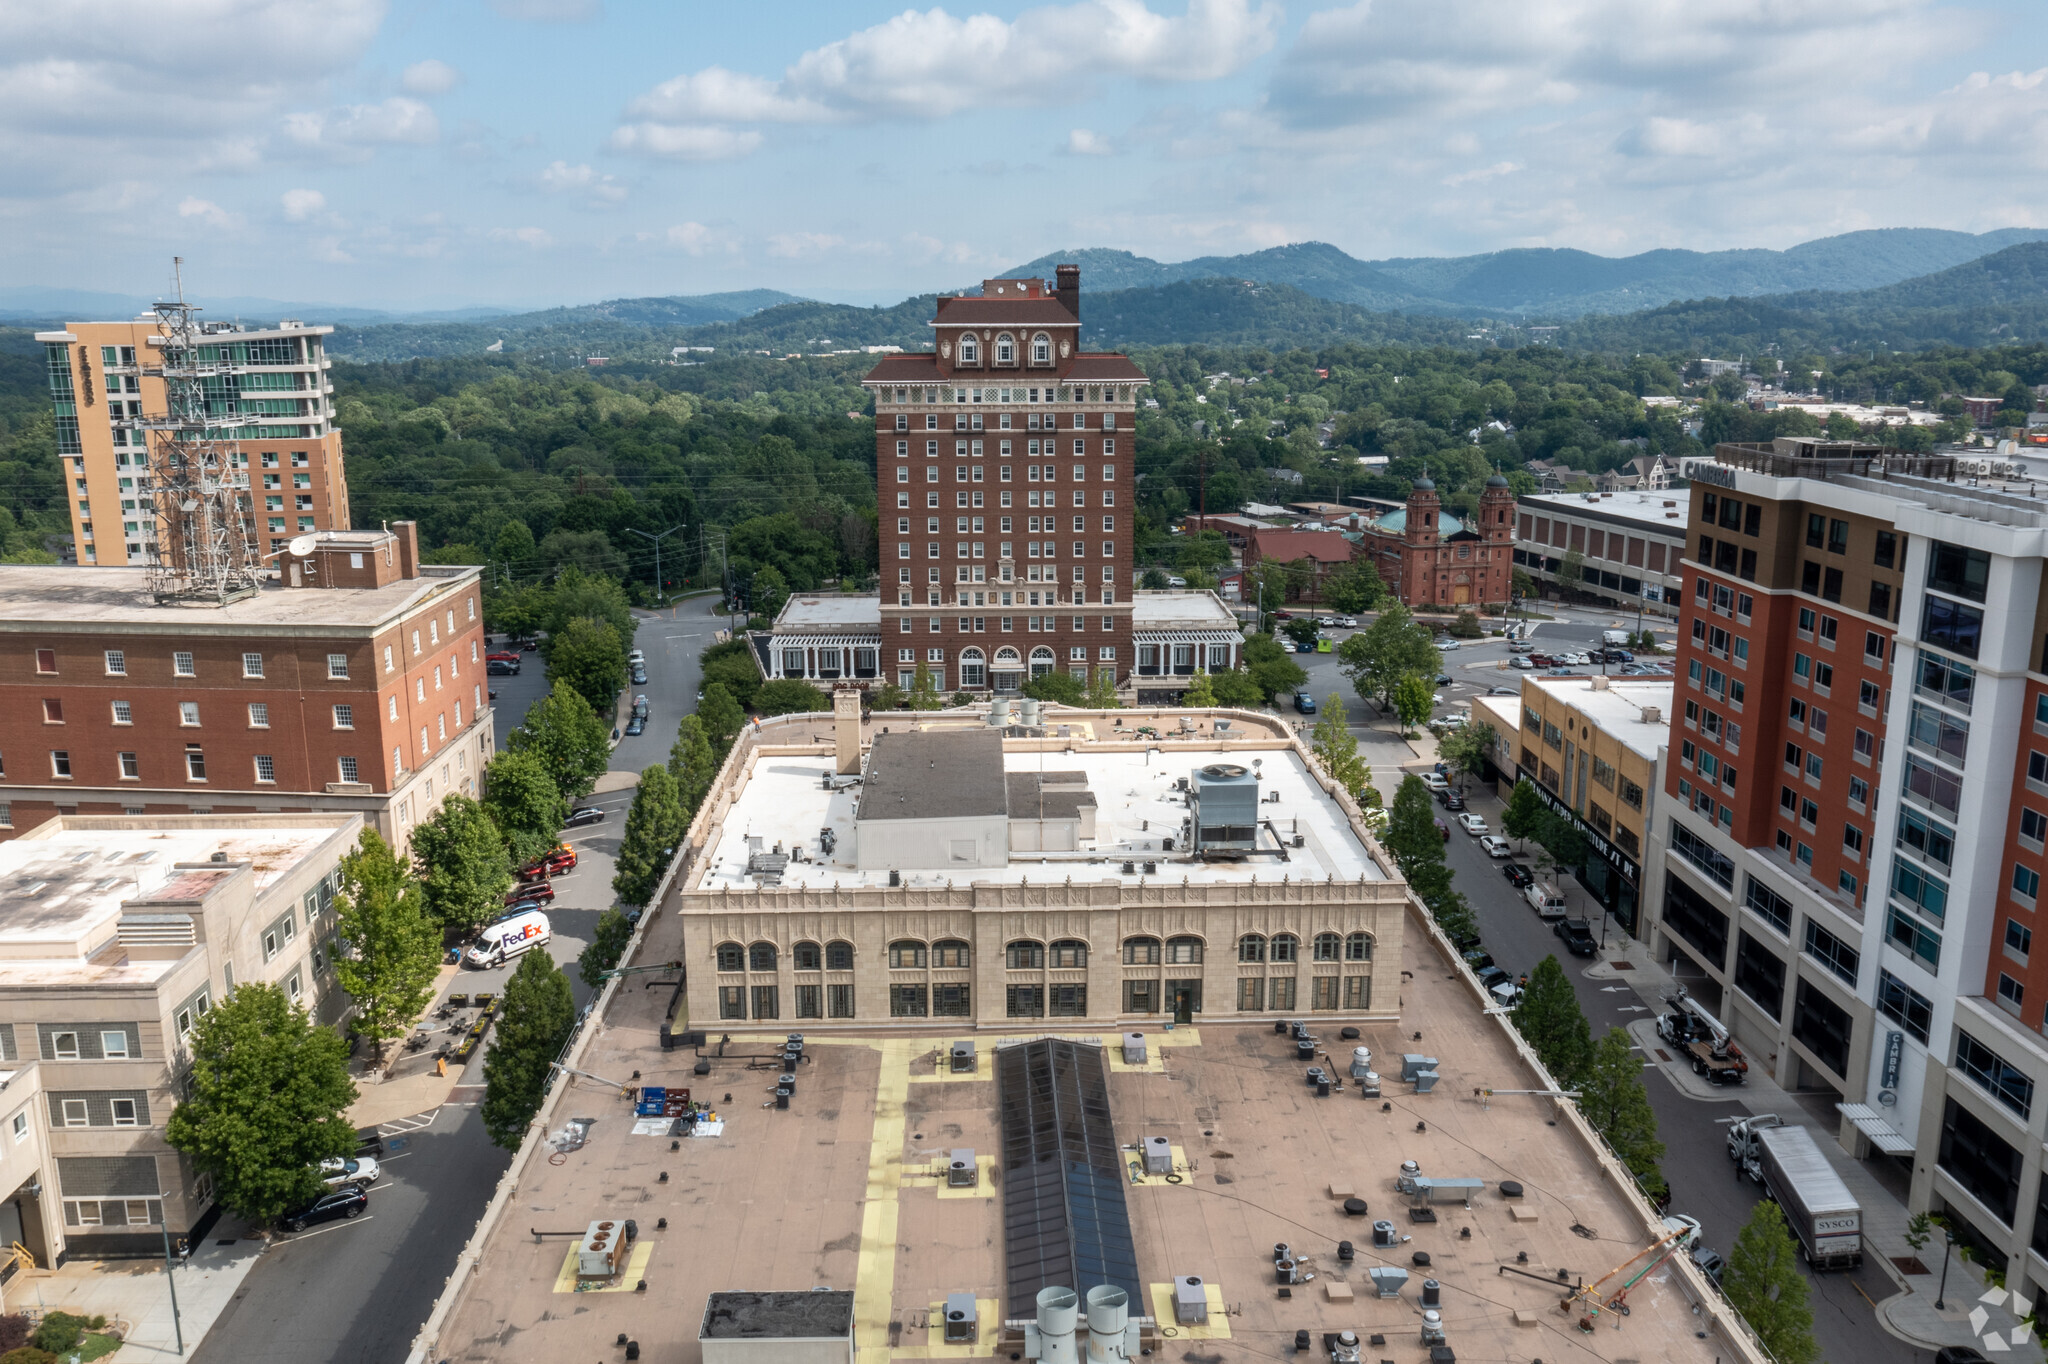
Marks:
<point>1323,546</point>
<point>1095,367</point>
<point>1004,312</point>
<point>905,369</point>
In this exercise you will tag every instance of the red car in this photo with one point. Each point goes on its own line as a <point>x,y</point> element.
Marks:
<point>501,656</point>
<point>540,892</point>
<point>554,864</point>
<point>1543,660</point>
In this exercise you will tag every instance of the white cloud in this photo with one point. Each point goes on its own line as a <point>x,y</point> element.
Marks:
<point>1492,172</point>
<point>802,245</point>
<point>549,11</point>
<point>1081,142</point>
<point>301,204</point>
<point>929,65</point>
<point>699,240</point>
<point>430,77</point>
<point>206,211</point>
<point>562,178</point>
<point>685,141</point>
<point>395,121</point>
<point>526,236</point>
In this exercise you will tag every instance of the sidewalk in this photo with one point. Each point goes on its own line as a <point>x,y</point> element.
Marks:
<point>135,1293</point>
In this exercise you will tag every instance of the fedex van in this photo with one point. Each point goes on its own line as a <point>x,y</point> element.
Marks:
<point>507,938</point>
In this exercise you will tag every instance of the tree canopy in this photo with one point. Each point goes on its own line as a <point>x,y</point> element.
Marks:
<point>390,947</point>
<point>1392,648</point>
<point>533,1026</point>
<point>568,736</point>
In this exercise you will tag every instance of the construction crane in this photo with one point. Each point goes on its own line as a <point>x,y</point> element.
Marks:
<point>1591,1293</point>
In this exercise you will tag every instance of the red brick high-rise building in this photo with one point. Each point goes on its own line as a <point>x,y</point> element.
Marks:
<point>1004,466</point>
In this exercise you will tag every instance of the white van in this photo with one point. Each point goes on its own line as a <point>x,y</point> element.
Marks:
<point>1548,902</point>
<point>507,938</point>
<point>1618,639</point>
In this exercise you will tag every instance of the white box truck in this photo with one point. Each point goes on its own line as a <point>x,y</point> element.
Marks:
<point>1823,1215</point>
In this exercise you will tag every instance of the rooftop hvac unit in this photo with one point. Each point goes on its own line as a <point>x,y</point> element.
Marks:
<point>962,1322</point>
<point>1223,808</point>
<point>962,1171</point>
<point>1158,1156</point>
<point>1190,1300</point>
<point>602,1252</point>
<point>963,1058</point>
<point>1134,1049</point>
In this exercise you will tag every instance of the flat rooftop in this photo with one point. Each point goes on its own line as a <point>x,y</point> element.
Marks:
<point>1180,609</point>
<point>845,1190</point>
<point>819,611</point>
<point>61,893</point>
<point>1617,709</point>
<point>46,599</point>
<point>1137,805</point>
<point>934,774</point>
<point>1653,509</point>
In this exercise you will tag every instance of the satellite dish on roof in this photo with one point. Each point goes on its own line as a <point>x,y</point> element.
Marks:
<point>302,545</point>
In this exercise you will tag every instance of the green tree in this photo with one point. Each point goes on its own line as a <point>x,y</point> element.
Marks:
<point>1521,584</point>
<point>1102,691</point>
<point>924,690</point>
<point>1466,626</point>
<point>733,665</point>
<point>1412,835</point>
<point>1413,700</point>
<point>1336,748</point>
<point>1465,749</point>
<point>463,869</point>
<point>1550,1019</point>
<point>770,591</point>
<point>1353,587</point>
<point>390,947</point>
<point>1564,845</point>
<point>1571,572</point>
<point>1240,689</point>
<point>723,719</point>
<point>888,696</point>
<point>1616,1105</point>
<point>789,696</point>
<point>1154,580</point>
<point>1201,692</point>
<point>607,944</point>
<point>577,595</point>
<point>532,1028</point>
<point>267,1100</point>
<point>1302,631</point>
<point>1763,1283</point>
<point>1271,667</point>
<point>1065,688</point>
<point>1524,812</point>
<point>692,763</point>
<point>522,799</point>
<point>589,656</point>
<point>571,740</point>
<point>1391,648</point>
<point>654,830</point>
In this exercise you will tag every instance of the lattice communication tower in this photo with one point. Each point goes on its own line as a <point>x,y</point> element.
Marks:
<point>204,552</point>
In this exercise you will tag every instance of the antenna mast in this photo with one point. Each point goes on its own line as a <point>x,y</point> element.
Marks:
<point>203,552</point>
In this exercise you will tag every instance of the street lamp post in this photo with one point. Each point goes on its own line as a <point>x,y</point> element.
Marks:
<point>1948,1240</point>
<point>656,539</point>
<point>171,1277</point>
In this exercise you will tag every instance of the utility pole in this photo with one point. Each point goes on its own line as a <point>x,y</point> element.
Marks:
<point>170,1276</point>
<point>657,539</point>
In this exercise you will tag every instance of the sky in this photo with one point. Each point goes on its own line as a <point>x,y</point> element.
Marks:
<point>523,153</point>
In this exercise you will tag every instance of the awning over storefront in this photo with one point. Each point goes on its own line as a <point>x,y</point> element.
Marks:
<point>1186,637</point>
<point>1878,1128</point>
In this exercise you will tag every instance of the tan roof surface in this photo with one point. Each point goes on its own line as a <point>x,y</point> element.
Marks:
<point>49,599</point>
<point>839,1191</point>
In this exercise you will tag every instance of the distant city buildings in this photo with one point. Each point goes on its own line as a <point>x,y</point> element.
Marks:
<point>1630,545</point>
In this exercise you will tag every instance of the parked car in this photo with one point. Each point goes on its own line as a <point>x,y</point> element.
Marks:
<point>1283,615</point>
<point>350,1200</point>
<point>637,658</point>
<point>1473,824</point>
<point>1347,622</point>
<point>534,892</point>
<point>1520,648</point>
<point>639,676</point>
<point>1434,781</point>
<point>527,644</point>
<point>1451,801</point>
<point>369,1142</point>
<point>498,667</point>
<point>1519,876</point>
<point>1521,663</point>
<point>636,725</point>
<point>1444,646</point>
<point>586,814</point>
<point>1577,935</point>
<point>1495,846</point>
<point>554,864</point>
<point>1542,660</point>
<point>1304,703</point>
<point>1478,959</point>
<point>502,656</point>
<point>640,706</point>
<point>1620,656</point>
<point>1444,830</point>
<point>1443,679</point>
<point>1491,975</point>
<point>351,1170</point>
<point>1710,1263</point>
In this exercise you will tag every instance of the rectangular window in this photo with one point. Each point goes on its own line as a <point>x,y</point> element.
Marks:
<point>1773,908</point>
<point>1912,938</point>
<point>60,763</point>
<point>252,665</point>
<point>344,717</point>
<point>266,768</point>
<point>839,1001</point>
<point>1958,571</point>
<point>1833,953</point>
<point>1904,1005</point>
<point>1998,1077</point>
<point>117,663</point>
<point>1949,625</point>
<point>181,664</point>
<point>259,715</point>
<point>337,665</point>
<point>130,769</point>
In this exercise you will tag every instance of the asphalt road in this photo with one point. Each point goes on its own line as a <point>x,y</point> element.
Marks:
<point>1703,1180</point>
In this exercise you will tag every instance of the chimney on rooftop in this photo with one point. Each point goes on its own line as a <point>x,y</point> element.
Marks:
<point>1067,279</point>
<point>846,731</point>
<point>408,533</point>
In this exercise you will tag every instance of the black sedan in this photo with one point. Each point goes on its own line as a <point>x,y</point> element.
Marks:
<point>350,1200</point>
<point>1519,875</point>
<point>588,814</point>
<point>1577,935</point>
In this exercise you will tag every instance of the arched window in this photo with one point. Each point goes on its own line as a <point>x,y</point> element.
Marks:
<point>1006,350</point>
<point>1041,349</point>
<point>1327,945</point>
<point>1286,947</point>
<point>1024,956</point>
<point>1141,951</point>
<point>949,952</point>
<point>1069,953</point>
<point>1183,951</point>
<point>761,957</point>
<point>1041,661</point>
<point>906,954</point>
<point>838,956</point>
<point>731,957</point>
<point>973,672</point>
<point>808,957</point>
<point>969,352</point>
<point>1006,657</point>
<point>1358,947</point>
<point>1251,947</point>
